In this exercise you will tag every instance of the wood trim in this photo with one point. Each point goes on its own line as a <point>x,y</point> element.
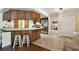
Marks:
<point>16,24</point>
<point>26,23</point>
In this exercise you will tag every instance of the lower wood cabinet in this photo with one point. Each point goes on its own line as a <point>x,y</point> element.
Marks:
<point>33,35</point>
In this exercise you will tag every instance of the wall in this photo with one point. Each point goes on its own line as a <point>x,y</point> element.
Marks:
<point>76,14</point>
<point>53,18</point>
<point>77,22</point>
<point>1,16</point>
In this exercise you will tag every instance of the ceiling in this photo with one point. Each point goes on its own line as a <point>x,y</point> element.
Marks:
<point>43,11</point>
<point>52,11</point>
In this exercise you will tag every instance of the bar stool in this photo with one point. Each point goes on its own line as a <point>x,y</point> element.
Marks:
<point>26,40</point>
<point>17,40</point>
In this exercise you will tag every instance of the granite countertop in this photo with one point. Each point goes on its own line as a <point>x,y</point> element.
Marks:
<point>19,29</point>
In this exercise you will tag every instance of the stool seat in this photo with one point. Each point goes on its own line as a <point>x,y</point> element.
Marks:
<point>17,40</point>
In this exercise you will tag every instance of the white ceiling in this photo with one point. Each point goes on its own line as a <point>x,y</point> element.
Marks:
<point>52,11</point>
<point>43,11</point>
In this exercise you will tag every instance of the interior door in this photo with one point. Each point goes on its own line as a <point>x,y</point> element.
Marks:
<point>68,25</point>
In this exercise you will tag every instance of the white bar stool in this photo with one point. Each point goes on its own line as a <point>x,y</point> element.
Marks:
<point>17,40</point>
<point>26,40</point>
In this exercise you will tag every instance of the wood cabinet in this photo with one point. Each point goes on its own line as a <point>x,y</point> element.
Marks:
<point>26,23</point>
<point>38,17</point>
<point>33,35</point>
<point>10,15</point>
<point>7,15</point>
<point>28,15</point>
<point>15,15</point>
<point>4,16</point>
<point>21,15</point>
<point>35,16</point>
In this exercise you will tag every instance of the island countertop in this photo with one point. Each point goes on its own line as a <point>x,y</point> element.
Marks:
<point>20,29</point>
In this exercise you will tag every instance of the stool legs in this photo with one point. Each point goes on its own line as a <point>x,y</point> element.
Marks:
<point>17,40</point>
<point>26,40</point>
<point>14,44</point>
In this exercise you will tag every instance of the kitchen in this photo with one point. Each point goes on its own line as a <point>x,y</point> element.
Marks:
<point>19,22</point>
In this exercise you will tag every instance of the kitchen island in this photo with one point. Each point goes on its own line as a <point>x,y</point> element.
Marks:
<point>34,33</point>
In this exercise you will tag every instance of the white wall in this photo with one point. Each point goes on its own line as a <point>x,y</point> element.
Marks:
<point>1,16</point>
<point>67,25</point>
<point>59,18</point>
<point>54,18</point>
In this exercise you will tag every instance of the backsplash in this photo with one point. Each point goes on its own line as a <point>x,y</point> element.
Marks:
<point>17,24</point>
<point>2,24</point>
<point>5,24</point>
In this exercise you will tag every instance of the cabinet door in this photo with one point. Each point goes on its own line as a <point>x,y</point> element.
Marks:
<point>9,15</point>
<point>37,34</point>
<point>26,23</point>
<point>21,14</point>
<point>5,16</point>
<point>32,36</point>
<point>28,15</point>
<point>38,17</point>
<point>33,16</point>
<point>15,14</point>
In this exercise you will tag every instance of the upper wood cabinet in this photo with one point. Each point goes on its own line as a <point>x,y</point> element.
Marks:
<point>15,14</point>
<point>38,17</point>
<point>21,15</point>
<point>4,16</point>
<point>7,15</point>
<point>28,15</point>
<point>35,16</point>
